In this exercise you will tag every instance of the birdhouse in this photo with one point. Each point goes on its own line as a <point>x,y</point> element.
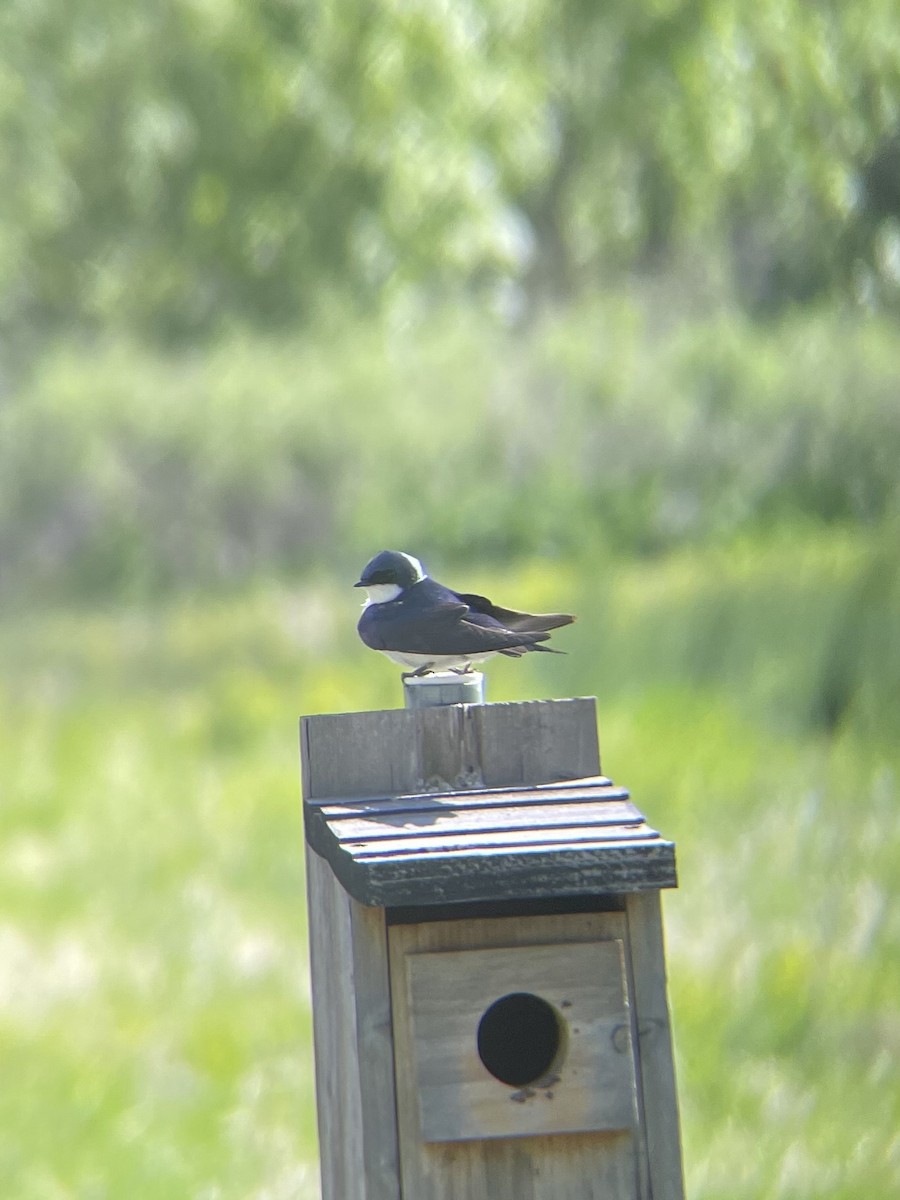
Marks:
<point>488,980</point>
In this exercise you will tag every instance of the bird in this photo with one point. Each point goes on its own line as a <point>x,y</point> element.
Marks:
<point>426,627</point>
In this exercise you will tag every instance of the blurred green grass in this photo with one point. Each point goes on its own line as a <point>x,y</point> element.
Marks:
<point>154,1001</point>
<point>128,473</point>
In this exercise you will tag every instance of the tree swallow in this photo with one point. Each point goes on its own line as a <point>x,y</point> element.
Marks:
<point>426,627</point>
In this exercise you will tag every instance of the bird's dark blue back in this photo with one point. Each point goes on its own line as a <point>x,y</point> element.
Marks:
<point>425,619</point>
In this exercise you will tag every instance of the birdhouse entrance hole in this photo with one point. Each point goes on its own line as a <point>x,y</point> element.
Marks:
<point>520,1038</point>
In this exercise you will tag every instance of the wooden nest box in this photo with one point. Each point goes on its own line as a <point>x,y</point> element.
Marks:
<point>488,979</point>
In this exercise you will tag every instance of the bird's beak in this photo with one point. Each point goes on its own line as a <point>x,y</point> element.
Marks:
<point>359,583</point>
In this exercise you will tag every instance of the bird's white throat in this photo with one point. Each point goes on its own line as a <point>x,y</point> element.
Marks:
<point>381,593</point>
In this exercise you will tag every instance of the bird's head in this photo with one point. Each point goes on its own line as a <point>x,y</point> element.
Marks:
<point>389,574</point>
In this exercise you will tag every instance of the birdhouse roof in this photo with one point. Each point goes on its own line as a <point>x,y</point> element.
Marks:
<point>573,838</point>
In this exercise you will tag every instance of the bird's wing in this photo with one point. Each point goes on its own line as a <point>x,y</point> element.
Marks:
<point>445,626</point>
<point>511,618</point>
<point>397,626</point>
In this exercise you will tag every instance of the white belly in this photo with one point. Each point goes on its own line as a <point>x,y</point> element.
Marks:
<point>436,662</point>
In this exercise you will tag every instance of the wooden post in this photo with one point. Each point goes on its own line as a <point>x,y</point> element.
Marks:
<point>460,858</point>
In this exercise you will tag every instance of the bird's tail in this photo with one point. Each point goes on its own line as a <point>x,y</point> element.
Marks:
<point>533,643</point>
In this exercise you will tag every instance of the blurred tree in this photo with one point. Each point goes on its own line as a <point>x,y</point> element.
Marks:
<point>754,133</point>
<point>168,167</point>
<point>171,165</point>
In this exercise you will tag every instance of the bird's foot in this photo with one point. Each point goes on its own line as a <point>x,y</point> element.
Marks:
<point>417,674</point>
<point>466,670</point>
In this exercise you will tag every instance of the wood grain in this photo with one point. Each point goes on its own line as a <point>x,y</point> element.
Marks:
<point>591,1086</point>
<point>466,803</point>
<point>596,787</point>
<point>659,1097</point>
<point>391,823</point>
<point>497,803</point>
<point>396,751</point>
<point>532,870</point>
<point>352,1030</point>
<point>584,1166</point>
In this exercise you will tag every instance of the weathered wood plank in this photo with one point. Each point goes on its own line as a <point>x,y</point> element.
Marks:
<point>338,1094</point>
<point>592,1084</point>
<point>584,790</point>
<point>659,1097</point>
<point>586,1166</point>
<point>589,854</point>
<point>542,741</point>
<point>586,869</point>
<point>358,754</point>
<point>352,1031</point>
<point>440,749</point>
<point>353,1042</point>
<point>351,827</point>
<point>423,845</point>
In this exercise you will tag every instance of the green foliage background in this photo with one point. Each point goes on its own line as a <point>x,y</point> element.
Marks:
<point>592,307</point>
<point>172,168</point>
